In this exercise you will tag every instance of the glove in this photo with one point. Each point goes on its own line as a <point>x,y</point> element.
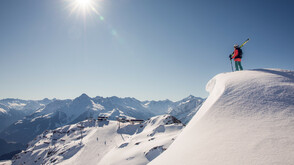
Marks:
<point>230,56</point>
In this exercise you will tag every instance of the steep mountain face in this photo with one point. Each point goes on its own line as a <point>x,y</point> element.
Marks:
<point>12,110</point>
<point>248,118</point>
<point>102,142</point>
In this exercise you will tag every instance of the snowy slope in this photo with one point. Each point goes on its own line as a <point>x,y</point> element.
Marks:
<point>103,142</point>
<point>247,119</point>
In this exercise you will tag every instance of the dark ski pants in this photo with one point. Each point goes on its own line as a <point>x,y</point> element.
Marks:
<point>238,65</point>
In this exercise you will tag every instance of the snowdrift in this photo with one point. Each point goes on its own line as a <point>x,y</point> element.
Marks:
<point>247,119</point>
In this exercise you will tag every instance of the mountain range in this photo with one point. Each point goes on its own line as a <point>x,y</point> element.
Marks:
<point>51,114</point>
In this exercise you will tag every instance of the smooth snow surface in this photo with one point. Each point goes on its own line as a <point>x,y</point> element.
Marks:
<point>247,119</point>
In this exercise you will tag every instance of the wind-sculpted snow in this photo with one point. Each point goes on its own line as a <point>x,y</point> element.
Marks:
<point>102,142</point>
<point>247,119</point>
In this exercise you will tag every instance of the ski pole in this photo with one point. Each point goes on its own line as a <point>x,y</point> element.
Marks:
<point>232,65</point>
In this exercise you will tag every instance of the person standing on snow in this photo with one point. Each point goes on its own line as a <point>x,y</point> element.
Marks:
<point>237,57</point>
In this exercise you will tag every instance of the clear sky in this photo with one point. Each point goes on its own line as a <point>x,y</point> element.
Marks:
<point>147,49</point>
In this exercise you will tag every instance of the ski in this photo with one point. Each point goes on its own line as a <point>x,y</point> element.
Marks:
<point>244,43</point>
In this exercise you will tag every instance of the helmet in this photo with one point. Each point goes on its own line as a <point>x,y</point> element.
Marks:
<point>236,46</point>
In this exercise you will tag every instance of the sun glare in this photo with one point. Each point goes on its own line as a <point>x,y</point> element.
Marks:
<point>84,6</point>
<point>84,3</point>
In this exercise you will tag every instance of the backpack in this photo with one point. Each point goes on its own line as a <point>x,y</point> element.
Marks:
<point>240,53</point>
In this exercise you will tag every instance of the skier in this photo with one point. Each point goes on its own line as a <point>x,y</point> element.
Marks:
<point>237,55</point>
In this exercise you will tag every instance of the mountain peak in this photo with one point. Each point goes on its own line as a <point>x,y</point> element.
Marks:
<point>45,99</point>
<point>190,97</point>
<point>82,97</point>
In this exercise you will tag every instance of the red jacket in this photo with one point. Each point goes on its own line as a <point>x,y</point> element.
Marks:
<point>236,52</point>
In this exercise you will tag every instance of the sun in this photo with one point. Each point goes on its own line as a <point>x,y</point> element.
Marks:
<point>84,6</point>
<point>84,3</point>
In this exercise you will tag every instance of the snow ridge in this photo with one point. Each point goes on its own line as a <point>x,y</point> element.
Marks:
<point>247,119</point>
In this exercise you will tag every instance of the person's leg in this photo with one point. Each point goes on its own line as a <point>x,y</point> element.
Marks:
<point>240,66</point>
<point>236,65</point>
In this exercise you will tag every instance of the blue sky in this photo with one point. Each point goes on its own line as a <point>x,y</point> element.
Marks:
<point>147,49</point>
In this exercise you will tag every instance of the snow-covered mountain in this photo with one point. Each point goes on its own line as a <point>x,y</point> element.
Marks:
<point>27,106</point>
<point>102,142</point>
<point>185,109</point>
<point>159,107</point>
<point>247,119</point>
<point>12,110</point>
<point>61,112</point>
